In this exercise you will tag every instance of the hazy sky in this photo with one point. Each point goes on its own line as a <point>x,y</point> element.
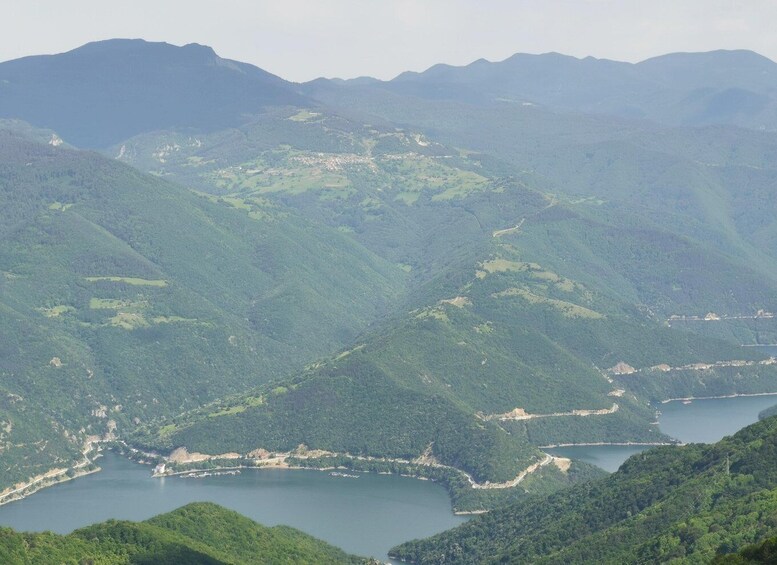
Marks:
<point>304,39</point>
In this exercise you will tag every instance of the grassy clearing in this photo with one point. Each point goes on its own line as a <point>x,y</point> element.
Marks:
<point>303,180</point>
<point>345,354</point>
<point>408,198</point>
<point>370,203</point>
<point>503,266</point>
<point>197,161</point>
<point>433,314</point>
<point>254,206</point>
<point>567,309</point>
<point>56,311</point>
<point>293,178</point>
<point>330,194</point>
<point>228,411</point>
<point>236,202</point>
<point>172,320</point>
<point>108,304</point>
<point>465,183</point>
<point>484,328</point>
<point>304,116</point>
<point>129,320</point>
<point>534,270</point>
<point>548,276</point>
<point>168,429</point>
<point>130,315</point>
<point>59,206</point>
<point>415,174</point>
<point>458,302</point>
<point>250,402</point>
<point>566,285</point>
<point>159,283</point>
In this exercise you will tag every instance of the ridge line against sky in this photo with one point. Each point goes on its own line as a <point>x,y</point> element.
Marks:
<point>301,40</point>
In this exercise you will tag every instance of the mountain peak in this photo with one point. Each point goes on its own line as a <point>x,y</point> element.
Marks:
<point>717,55</point>
<point>126,44</point>
<point>104,92</point>
<point>152,51</point>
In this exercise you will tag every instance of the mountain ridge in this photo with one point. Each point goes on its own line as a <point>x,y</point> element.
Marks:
<point>104,92</point>
<point>725,86</point>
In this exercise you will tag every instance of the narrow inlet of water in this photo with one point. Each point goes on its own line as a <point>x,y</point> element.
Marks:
<point>700,421</point>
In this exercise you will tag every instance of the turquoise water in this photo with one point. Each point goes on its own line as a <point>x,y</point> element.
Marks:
<point>707,421</point>
<point>608,457</point>
<point>701,421</point>
<point>366,516</point>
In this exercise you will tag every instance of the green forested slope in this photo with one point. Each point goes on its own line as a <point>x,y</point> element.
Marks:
<point>764,552</point>
<point>443,378</point>
<point>199,533</point>
<point>409,199</point>
<point>707,183</point>
<point>544,253</point>
<point>124,297</point>
<point>684,503</point>
<point>649,213</point>
<point>521,300</point>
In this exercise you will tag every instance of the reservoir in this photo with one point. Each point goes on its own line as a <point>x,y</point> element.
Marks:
<point>366,516</point>
<point>707,421</point>
<point>701,421</point>
<point>608,457</point>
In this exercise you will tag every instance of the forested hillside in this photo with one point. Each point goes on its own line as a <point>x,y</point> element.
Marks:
<point>409,276</point>
<point>199,533</point>
<point>525,304</point>
<point>686,503</point>
<point>124,297</point>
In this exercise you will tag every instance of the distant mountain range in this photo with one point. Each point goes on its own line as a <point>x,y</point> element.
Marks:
<point>718,87</point>
<point>104,92</point>
<point>107,91</point>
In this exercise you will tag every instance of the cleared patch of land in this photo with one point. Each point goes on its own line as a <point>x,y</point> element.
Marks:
<point>161,283</point>
<point>567,309</point>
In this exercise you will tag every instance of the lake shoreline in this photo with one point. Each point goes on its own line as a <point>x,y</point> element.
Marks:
<point>613,443</point>
<point>286,467</point>
<point>49,479</point>
<point>187,472</point>
<point>358,515</point>
<point>55,476</point>
<point>736,395</point>
<point>37,485</point>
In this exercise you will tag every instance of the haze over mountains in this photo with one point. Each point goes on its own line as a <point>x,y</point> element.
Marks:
<point>732,87</point>
<point>105,92</point>
<point>436,275</point>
